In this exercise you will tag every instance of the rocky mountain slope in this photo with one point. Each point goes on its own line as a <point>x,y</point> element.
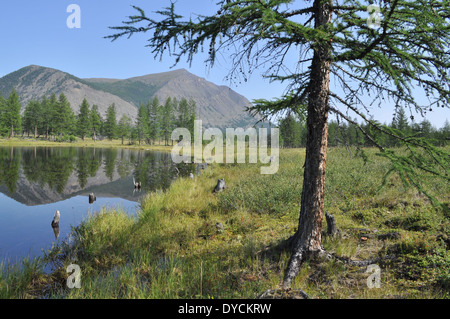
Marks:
<point>217,106</point>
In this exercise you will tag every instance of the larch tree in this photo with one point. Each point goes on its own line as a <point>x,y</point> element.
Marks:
<point>110,125</point>
<point>50,108</point>
<point>142,123</point>
<point>167,119</point>
<point>186,114</point>
<point>2,115</point>
<point>95,121</point>
<point>154,110</point>
<point>350,55</point>
<point>63,116</point>
<point>124,127</point>
<point>13,120</point>
<point>192,110</point>
<point>290,131</point>
<point>33,117</point>
<point>83,121</point>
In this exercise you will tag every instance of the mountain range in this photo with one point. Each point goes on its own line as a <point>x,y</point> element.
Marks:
<point>217,106</point>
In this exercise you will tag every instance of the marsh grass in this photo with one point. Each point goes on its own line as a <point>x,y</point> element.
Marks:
<point>23,281</point>
<point>174,248</point>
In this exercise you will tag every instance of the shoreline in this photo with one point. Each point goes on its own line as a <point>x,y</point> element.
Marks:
<point>190,243</point>
<point>30,142</point>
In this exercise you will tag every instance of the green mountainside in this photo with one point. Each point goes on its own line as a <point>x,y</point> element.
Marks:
<point>217,106</point>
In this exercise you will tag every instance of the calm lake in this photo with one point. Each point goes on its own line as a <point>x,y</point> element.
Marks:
<point>37,181</point>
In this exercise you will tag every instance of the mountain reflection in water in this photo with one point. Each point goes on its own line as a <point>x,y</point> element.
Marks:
<point>37,181</point>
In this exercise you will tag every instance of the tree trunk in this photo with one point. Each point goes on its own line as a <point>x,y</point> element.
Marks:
<point>307,241</point>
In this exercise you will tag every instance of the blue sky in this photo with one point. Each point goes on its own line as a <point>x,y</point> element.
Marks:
<point>36,32</point>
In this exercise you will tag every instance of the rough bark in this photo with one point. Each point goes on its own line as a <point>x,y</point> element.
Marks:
<point>308,238</point>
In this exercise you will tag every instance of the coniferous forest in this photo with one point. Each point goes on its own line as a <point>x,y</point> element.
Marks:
<point>53,118</point>
<point>341,133</point>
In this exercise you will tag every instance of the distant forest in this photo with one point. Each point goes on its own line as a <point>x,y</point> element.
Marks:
<point>54,119</point>
<point>293,132</point>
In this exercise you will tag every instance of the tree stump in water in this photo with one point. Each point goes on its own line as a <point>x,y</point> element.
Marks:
<point>92,198</point>
<point>137,185</point>
<point>55,221</point>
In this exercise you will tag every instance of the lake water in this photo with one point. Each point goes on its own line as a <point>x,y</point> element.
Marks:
<point>37,181</point>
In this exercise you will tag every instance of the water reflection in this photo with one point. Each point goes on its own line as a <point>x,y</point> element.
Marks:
<point>56,231</point>
<point>35,182</point>
<point>9,168</point>
<point>40,175</point>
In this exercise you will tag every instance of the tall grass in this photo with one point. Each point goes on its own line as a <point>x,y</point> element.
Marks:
<point>175,248</point>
